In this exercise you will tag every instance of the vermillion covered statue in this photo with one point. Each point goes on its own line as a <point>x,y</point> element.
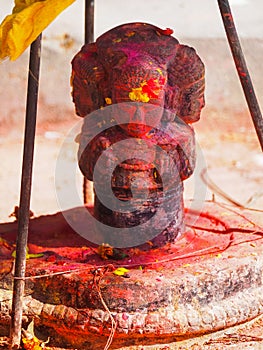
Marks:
<point>139,90</point>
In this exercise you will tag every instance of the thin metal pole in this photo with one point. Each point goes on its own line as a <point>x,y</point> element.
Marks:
<point>89,21</point>
<point>242,69</point>
<point>89,38</point>
<point>25,194</point>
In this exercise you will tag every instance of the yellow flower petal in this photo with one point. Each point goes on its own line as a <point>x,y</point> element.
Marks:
<point>29,255</point>
<point>137,95</point>
<point>120,271</point>
<point>108,100</point>
<point>28,20</point>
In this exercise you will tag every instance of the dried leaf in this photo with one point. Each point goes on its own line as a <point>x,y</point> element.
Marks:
<point>30,341</point>
<point>105,251</point>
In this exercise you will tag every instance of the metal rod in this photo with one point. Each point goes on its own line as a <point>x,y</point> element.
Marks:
<point>242,69</point>
<point>89,21</point>
<point>89,38</point>
<point>25,193</point>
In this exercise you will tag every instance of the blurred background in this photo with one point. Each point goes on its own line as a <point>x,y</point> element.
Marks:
<point>225,132</point>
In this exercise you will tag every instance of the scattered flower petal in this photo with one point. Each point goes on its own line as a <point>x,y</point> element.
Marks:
<point>120,271</point>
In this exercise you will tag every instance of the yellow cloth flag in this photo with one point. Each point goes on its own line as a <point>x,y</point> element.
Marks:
<point>28,19</point>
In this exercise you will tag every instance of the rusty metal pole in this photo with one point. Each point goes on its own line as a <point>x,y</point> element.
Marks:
<point>89,38</point>
<point>242,69</point>
<point>25,194</point>
<point>89,21</point>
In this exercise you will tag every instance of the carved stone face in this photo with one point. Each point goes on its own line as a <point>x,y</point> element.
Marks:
<point>138,97</point>
<point>138,118</point>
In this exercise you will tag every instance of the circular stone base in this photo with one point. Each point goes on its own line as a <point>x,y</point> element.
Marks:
<point>210,279</point>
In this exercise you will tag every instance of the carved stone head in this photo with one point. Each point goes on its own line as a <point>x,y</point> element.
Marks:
<point>141,63</point>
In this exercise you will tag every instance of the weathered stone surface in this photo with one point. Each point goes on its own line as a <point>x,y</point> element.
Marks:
<point>187,294</point>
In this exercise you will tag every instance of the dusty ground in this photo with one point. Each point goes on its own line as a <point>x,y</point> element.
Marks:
<point>225,134</point>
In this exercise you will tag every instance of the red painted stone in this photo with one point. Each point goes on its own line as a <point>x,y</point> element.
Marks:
<point>154,86</point>
<point>207,280</point>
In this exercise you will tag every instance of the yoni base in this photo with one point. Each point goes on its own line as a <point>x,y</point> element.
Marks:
<point>210,279</point>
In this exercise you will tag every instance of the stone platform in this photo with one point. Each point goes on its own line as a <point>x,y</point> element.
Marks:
<point>208,280</point>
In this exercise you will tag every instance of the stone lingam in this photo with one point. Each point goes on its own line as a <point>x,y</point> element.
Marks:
<point>139,90</point>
